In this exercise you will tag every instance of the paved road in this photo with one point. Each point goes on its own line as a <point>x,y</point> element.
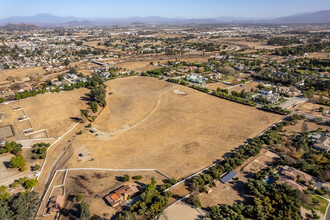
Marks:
<point>310,117</point>
<point>292,101</point>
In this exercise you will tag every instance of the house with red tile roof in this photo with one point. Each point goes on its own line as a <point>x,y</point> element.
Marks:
<point>120,195</point>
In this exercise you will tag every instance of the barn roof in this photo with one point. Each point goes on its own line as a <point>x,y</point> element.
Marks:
<point>228,177</point>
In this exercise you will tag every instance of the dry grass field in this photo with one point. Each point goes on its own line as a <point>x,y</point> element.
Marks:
<point>19,74</point>
<point>141,66</point>
<point>147,125</point>
<point>55,112</point>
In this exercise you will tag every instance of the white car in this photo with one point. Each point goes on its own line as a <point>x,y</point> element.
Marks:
<point>37,174</point>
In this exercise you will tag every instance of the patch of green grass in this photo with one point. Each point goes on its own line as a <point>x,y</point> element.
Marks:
<point>322,207</point>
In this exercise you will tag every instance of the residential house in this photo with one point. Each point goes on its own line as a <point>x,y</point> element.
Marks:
<point>321,142</point>
<point>120,195</point>
<point>55,203</point>
<point>295,178</point>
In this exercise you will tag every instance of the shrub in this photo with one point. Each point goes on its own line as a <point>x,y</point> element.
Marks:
<point>2,100</point>
<point>14,185</point>
<point>79,197</point>
<point>36,167</point>
<point>22,180</point>
<point>3,188</point>
<point>126,178</point>
<point>137,177</point>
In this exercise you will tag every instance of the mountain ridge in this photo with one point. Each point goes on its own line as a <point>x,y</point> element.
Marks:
<point>45,19</point>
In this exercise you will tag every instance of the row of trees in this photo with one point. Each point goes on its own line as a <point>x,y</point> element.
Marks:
<point>234,98</point>
<point>283,41</point>
<point>300,50</point>
<point>276,109</point>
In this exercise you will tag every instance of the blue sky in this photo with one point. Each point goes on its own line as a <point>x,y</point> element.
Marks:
<point>163,8</point>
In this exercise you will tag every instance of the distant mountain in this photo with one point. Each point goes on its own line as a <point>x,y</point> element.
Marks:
<point>19,26</point>
<point>39,19</point>
<point>53,20</point>
<point>310,18</point>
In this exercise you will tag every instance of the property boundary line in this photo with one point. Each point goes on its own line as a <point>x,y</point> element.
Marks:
<point>94,169</point>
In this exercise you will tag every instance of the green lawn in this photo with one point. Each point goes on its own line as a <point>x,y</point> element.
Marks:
<point>322,207</point>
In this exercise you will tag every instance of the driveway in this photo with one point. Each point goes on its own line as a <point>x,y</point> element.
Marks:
<point>292,101</point>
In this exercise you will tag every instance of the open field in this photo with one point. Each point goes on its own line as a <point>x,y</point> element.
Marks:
<point>145,65</point>
<point>10,117</point>
<point>147,125</point>
<point>6,172</point>
<point>56,112</point>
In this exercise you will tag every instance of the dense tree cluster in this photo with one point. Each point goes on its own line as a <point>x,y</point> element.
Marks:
<point>270,202</point>
<point>98,94</point>
<point>19,206</point>
<point>11,147</point>
<point>151,204</point>
<point>307,158</point>
<point>300,50</point>
<point>283,41</point>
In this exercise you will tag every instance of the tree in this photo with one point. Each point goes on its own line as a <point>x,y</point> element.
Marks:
<point>36,167</point>
<point>30,183</point>
<point>18,162</point>
<point>66,62</point>
<point>20,206</point>
<point>304,127</point>
<point>73,70</point>
<point>97,94</point>
<point>60,77</point>
<point>84,210</point>
<point>84,114</point>
<point>126,178</point>
<point>321,109</point>
<point>79,197</point>
<point>94,107</point>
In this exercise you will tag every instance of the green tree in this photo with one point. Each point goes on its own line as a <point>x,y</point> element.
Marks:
<point>79,197</point>
<point>18,162</point>
<point>84,210</point>
<point>126,178</point>
<point>36,167</point>
<point>30,183</point>
<point>84,114</point>
<point>94,107</point>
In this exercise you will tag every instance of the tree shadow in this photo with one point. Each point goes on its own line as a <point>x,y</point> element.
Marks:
<point>120,178</point>
<point>75,119</point>
<point>6,164</point>
<point>140,185</point>
<point>241,188</point>
<point>72,213</point>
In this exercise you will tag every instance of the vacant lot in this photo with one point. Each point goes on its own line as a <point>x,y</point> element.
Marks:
<point>10,117</point>
<point>56,112</point>
<point>145,65</point>
<point>147,125</point>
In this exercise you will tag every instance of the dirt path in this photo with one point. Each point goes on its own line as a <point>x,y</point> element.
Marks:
<point>108,135</point>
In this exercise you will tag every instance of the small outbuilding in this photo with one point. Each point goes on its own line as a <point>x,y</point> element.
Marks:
<point>228,177</point>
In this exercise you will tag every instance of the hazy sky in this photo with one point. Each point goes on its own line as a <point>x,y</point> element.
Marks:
<point>163,8</point>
